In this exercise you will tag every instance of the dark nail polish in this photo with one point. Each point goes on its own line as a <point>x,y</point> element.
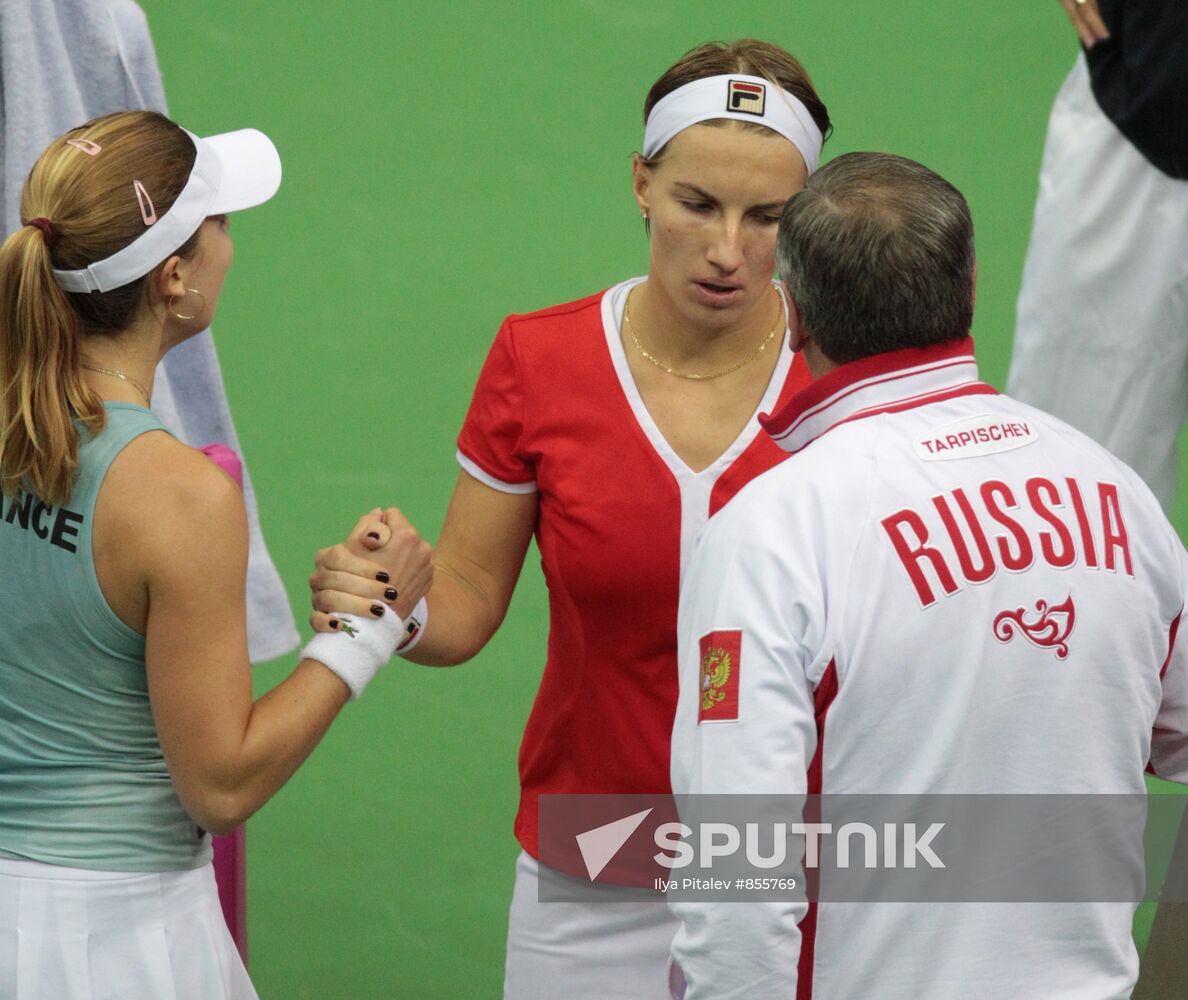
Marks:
<point>382,576</point>
<point>390,594</point>
<point>334,623</point>
<point>377,610</point>
<point>373,534</point>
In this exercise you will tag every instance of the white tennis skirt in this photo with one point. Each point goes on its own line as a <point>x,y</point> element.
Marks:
<point>76,934</point>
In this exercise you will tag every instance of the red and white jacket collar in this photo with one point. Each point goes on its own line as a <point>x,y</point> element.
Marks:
<point>883,383</point>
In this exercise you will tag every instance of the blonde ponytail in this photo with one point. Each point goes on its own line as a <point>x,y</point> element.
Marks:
<point>41,384</point>
<point>79,205</point>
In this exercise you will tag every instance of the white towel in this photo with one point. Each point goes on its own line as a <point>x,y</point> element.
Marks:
<point>63,62</point>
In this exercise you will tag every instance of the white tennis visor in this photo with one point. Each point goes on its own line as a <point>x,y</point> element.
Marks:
<point>231,172</point>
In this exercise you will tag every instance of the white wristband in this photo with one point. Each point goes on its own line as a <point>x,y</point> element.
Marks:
<point>358,649</point>
<point>414,627</point>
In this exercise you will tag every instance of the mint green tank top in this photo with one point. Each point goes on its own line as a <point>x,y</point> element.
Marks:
<point>83,782</point>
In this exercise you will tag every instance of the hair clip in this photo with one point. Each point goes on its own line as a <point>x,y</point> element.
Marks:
<point>147,211</point>
<point>87,146</point>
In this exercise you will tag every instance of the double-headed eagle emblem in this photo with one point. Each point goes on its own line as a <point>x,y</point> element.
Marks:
<point>715,672</point>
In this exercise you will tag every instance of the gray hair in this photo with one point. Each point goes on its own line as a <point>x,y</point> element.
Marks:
<point>878,253</point>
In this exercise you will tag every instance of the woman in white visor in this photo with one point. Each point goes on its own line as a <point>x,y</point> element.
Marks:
<point>613,427</point>
<point>128,732</point>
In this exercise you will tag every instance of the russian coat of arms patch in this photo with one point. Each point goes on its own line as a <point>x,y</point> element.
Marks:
<point>721,664</point>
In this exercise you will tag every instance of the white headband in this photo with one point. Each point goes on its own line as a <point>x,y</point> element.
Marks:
<point>231,171</point>
<point>743,98</point>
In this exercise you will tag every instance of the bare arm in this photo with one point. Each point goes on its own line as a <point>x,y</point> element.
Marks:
<point>479,557</point>
<point>476,565</point>
<point>226,755</point>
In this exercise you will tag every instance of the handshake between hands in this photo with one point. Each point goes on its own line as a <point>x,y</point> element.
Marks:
<point>368,596</point>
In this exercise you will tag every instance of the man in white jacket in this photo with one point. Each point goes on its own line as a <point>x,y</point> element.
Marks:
<point>941,591</point>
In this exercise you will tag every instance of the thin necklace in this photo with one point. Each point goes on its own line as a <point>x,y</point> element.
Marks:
<point>692,377</point>
<point>120,375</point>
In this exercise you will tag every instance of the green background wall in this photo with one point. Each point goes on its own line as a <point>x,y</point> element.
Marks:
<point>446,164</point>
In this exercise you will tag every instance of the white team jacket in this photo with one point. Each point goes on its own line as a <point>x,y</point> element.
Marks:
<point>918,508</point>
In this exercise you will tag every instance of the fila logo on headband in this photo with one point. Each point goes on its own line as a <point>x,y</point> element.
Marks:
<point>746,97</point>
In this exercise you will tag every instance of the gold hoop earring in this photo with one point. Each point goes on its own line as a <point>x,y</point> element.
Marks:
<point>177,315</point>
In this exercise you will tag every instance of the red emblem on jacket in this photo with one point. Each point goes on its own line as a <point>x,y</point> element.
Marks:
<point>1050,630</point>
<point>721,663</point>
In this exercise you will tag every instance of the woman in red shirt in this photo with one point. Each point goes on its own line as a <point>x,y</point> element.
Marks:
<point>612,428</point>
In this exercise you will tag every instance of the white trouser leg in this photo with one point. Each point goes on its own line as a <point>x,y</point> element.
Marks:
<point>1102,324</point>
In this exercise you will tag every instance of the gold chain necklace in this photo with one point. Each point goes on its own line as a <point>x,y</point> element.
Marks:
<point>692,377</point>
<point>120,375</point>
